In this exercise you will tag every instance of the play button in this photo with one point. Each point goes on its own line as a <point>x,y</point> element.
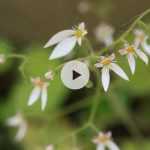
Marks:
<point>75,75</point>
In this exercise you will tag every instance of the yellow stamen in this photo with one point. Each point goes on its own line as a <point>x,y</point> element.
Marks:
<point>106,61</point>
<point>78,33</point>
<point>130,49</point>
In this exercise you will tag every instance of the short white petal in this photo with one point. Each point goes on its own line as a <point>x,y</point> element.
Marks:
<point>100,147</point>
<point>98,65</point>
<point>13,121</point>
<point>131,61</point>
<point>63,48</point>
<point>82,26</point>
<point>146,47</point>
<point>34,95</point>
<point>49,147</point>
<point>58,37</point>
<point>105,78</point>
<point>44,98</point>
<point>142,56</point>
<point>79,41</point>
<point>112,146</point>
<point>116,68</point>
<point>21,132</point>
<point>123,51</point>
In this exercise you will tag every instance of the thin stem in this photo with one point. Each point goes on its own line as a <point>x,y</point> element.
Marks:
<point>73,108</point>
<point>123,36</point>
<point>74,133</point>
<point>94,127</point>
<point>96,100</point>
<point>21,67</point>
<point>143,25</point>
<point>89,46</point>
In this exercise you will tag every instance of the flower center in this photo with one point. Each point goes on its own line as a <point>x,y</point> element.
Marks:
<point>39,82</point>
<point>78,33</point>
<point>130,49</point>
<point>106,61</point>
<point>103,138</point>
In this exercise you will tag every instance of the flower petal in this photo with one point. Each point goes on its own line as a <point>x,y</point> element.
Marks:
<point>112,146</point>
<point>79,41</point>
<point>34,95</point>
<point>146,46</point>
<point>21,132</point>
<point>116,68</point>
<point>131,61</point>
<point>100,147</point>
<point>123,51</point>
<point>44,97</point>
<point>98,65</point>
<point>49,147</point>
<point>142,56</point>
<point>82,26</point>
<point>58,37</point>
<point>63,48</point>
<point>105,78</point>
<point>13,121</point>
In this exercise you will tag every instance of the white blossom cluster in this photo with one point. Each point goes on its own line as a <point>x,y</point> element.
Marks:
<point>66,40</point>
<point>63,43</point>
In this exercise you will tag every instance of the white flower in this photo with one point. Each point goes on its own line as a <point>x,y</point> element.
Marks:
<point>103,140</point>
<point>104,33</point>
<point>141,40</point>
<point>132,52</point>
<point>19,122</point>
<point>66,41</point>
<point>107,64</point>
<point>39,91</point>
<point>49,147</point>
<point>49,75</point>
<point>83,6</point>
<point>2,59</point>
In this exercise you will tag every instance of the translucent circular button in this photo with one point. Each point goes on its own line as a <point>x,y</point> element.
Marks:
<point>75,75</point>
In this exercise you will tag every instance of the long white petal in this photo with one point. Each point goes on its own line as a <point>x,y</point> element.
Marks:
<point>112,146</point>
<point>44,98</point>
<point>105,78</point>
<point>137,42</point>
<point>58,37</point>
<point>146,47</point>
<point>131,61</point>
<point>100,147</point>
<point>142,56</point>
<point>116,68</point>
<point>34,95</point>
<point>63,48</point>
<point>21,132</point>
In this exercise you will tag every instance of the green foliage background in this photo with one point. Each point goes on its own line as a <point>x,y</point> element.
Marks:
<point>72,118</point>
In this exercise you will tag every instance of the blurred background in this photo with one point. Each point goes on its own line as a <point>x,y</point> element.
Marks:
<point>25,26</point>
